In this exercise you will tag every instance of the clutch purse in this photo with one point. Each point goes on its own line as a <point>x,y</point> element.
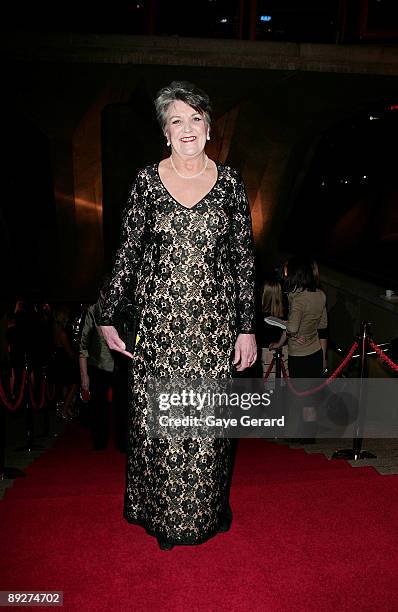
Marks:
<point>126,322</point>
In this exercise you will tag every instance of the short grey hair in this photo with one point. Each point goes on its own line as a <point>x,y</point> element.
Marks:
<point>186,92</point>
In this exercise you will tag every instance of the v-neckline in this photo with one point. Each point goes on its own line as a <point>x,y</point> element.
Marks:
<point>201,199</point>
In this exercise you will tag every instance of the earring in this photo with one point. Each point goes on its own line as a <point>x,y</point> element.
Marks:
<point>168,143</point>
<point>208,136</point>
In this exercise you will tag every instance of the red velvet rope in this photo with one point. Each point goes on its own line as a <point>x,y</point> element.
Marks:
<point>45,393</point>
<point>335,374</point>
<point>9,405</point>
<point>269,369</point>
<point>383,356</point>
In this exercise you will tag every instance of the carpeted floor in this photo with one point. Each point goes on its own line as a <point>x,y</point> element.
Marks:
<point>308,535</point>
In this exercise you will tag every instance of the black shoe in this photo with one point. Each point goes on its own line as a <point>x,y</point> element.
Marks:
<point>128,519</point>
<point>224,527</point>
<point>163,545</point>
<point>226,521</point>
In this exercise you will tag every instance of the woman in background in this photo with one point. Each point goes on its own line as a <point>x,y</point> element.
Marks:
<point>272,306</point>
<point>307,315</point>
<point>323,333</point>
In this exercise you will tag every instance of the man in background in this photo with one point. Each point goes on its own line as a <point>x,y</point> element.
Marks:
<point>100,372</point>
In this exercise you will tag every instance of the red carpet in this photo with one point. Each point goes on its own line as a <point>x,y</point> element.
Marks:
<point>308,535</point>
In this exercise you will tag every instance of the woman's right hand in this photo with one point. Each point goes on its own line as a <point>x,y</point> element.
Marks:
<point>85,382</point>
<point>113,340</point>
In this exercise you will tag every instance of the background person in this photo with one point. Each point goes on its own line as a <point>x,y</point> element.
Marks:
<point>64,366</point>
<point>307,314</point>
<point>272,306</point>
<point>97,375</point>
<point>323,334</point>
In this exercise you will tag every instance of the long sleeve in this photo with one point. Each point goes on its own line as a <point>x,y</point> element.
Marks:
<point>295,315</point>
<point>242,258</point>
<point>323,323</point>
<point>85,335</point>
<point>128,256</point>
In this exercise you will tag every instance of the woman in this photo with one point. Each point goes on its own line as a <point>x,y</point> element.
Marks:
<point>307,315</point>
<point>272,306</point>
<point>323,333</point>
<point>187,252</point>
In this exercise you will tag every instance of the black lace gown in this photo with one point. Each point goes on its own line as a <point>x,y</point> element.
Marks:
<point>192,274</point>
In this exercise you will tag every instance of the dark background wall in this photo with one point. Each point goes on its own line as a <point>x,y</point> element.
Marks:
<point>83,123</point>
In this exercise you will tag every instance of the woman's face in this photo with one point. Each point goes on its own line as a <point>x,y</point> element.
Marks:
<point>186,130</point>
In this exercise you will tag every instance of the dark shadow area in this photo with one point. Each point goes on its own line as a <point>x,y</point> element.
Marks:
<point>27,213</point>
<point>346,213</point>
<point>131,139</point>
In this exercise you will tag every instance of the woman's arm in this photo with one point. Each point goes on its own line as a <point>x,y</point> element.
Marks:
<point>323,334</point>
<point>296,310</point>
<point>84,378</point>
<point>324,346</point>
<point>242,261</point>
<point>83,350</point>
<point>293,323</point>
<point>276,345</point>
<point>127,263</point>
<point>128,256</point>
<point>242,258</point>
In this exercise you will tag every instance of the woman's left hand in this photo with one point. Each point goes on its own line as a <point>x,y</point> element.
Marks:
<point>245,351</point>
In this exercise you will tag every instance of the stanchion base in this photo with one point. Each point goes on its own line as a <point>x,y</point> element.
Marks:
<point>9,473</point>
<point>29,448</point>
<point>351,455</point>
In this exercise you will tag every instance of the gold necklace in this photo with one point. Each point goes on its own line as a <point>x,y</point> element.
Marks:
<point>194,175</point>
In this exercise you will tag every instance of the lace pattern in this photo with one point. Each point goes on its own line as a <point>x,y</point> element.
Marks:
<point>191,271</point>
